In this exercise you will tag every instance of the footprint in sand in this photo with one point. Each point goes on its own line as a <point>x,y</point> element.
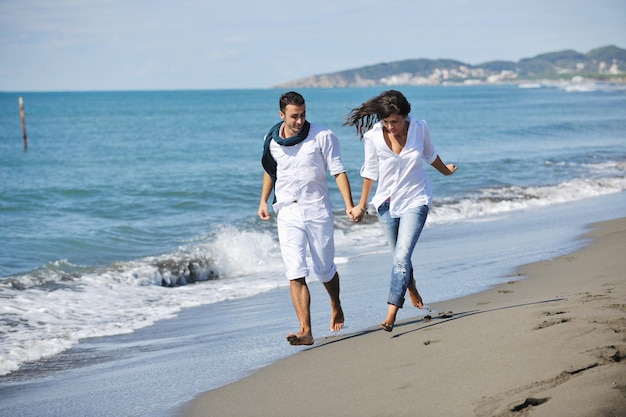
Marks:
<point>548,323</point>
<point>529,402</point>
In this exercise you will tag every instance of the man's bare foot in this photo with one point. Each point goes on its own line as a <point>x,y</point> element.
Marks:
<point>415,296</point>
<point>296,340</point>
<point>336,320</point>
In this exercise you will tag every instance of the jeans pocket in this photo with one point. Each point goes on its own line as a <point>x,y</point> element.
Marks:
<point>383,208</point>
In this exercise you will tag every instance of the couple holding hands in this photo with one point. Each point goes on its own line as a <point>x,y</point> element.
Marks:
<point>297,156</point>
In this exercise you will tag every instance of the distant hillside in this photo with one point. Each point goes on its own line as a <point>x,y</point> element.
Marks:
<point>606,63</point>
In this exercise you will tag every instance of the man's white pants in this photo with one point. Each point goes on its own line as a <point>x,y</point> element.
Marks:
<point>295,232</point>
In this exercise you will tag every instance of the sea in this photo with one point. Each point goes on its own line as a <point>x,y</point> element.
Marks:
<point>135,273</point>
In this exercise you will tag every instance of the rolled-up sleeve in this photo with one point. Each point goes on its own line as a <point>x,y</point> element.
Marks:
<point>430,153</point>
<point>370,162</point>
<point>331,150</point>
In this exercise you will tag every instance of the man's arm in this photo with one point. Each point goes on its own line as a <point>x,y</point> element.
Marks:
<point>344,188</point>
<point>266,190</point>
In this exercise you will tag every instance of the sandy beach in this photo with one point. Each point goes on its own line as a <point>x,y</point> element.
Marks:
<point>550,344</point>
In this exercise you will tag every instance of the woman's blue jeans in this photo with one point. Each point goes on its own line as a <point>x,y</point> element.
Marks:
<point>402,234</point>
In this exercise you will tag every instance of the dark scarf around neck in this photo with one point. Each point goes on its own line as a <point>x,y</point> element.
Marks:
<point>268,162</point>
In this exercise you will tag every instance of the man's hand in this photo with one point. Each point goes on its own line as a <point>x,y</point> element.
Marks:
<point>356,213</point>
<point>263,212</point>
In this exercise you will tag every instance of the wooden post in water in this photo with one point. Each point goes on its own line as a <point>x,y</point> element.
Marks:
<point>23,119</point>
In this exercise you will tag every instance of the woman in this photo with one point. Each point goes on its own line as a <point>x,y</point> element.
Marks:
<point>395,146</point>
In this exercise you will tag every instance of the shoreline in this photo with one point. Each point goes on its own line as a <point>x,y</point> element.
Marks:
<point>549,344</point>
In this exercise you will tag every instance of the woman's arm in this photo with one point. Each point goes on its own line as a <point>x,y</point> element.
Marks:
<point>358,211</point>
<point>443,168</point>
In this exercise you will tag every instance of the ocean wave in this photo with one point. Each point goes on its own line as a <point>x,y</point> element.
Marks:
<point>498,200</point>
<point>580,85</point>
<point>575,85</point>
<point>50,309</point>
<point>589,87</point>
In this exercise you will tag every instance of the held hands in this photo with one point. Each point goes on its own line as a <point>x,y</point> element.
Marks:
<point>356,213</point>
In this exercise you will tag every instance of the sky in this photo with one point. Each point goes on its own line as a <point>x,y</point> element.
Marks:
<point>95,45</point>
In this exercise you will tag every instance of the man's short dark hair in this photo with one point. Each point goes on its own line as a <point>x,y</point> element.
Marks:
<point>290,98</point>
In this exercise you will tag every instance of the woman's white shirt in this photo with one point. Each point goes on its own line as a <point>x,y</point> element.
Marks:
<point>401,177</point>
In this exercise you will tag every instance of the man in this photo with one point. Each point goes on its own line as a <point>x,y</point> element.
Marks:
<point>296,157</point>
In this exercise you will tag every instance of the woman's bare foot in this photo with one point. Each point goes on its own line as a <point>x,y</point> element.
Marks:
<point>386,327</point>
<point>415,296</point>
<point>392,311</point>
<point>300,339</point>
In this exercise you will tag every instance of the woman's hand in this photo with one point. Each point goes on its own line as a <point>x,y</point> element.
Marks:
<point>357,213</point>
<point>448,169</point>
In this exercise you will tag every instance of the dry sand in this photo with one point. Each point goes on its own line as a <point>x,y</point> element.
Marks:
<point>551,344</point>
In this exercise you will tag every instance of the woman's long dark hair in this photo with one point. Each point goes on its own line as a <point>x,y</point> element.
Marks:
<point>377,108</point>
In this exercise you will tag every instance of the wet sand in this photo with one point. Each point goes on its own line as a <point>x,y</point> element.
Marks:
<point>551,344</point>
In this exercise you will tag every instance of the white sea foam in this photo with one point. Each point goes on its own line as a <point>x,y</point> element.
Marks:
<point>50,309</point>
<point>492,201</point>
<point>43,314</point>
